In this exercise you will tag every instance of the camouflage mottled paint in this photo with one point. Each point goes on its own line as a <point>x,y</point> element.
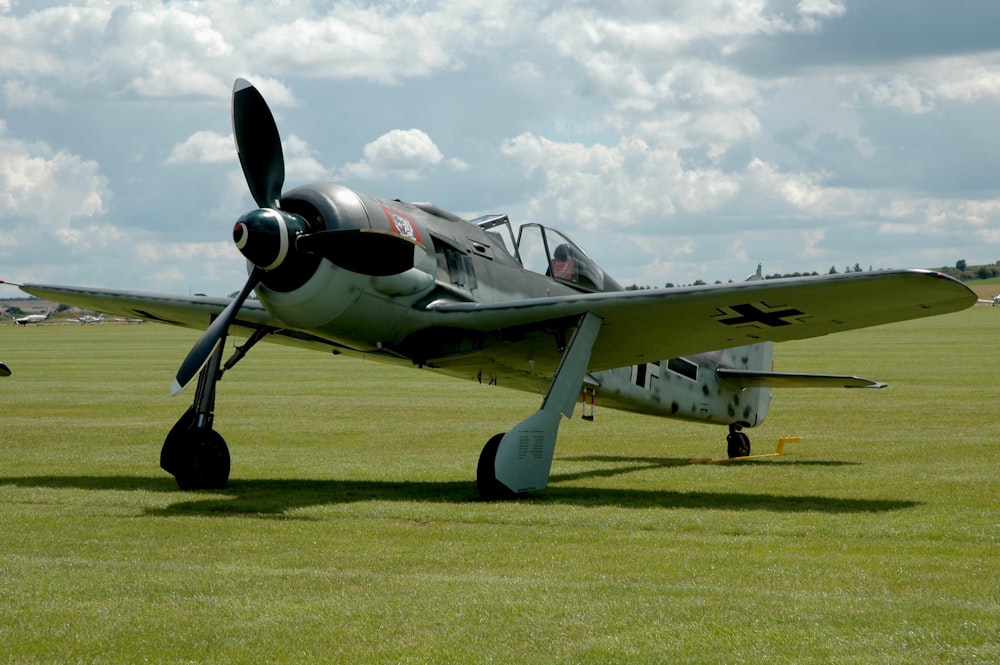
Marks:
<point>689,388</point>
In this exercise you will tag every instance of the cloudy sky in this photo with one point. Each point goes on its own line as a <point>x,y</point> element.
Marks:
<point>675,140</point>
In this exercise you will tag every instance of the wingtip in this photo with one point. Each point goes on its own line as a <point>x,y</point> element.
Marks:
<point>177,387</point>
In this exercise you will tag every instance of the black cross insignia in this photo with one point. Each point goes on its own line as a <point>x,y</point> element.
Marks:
<point>752,314</point>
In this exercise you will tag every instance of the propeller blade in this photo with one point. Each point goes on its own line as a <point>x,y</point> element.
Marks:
<point>212,337</point>
<point>364,251</point>
<point>258,145</point>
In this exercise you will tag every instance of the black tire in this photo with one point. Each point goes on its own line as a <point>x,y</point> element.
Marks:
<point>173,455</point>
<point>491,489</point>
<point>738,444</point>
<point>206,463</point>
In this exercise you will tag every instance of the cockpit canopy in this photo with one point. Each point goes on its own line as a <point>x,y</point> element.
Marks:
<point>548,252</point>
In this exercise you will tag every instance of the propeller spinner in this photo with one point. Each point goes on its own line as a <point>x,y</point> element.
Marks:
<point>269,236</point>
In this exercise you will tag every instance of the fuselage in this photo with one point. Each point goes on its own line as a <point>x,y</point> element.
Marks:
<point>480,261</point>
<point>31,318</point>
<point>464,261</point>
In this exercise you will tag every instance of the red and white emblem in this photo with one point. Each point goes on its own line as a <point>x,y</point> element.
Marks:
<point>402,225</point>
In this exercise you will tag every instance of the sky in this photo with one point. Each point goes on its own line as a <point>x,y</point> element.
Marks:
<point>676,140</point>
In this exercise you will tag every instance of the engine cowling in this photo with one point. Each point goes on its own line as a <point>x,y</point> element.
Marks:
<point>304,291</point>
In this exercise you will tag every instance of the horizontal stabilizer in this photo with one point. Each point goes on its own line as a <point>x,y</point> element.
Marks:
<point>746,378</point>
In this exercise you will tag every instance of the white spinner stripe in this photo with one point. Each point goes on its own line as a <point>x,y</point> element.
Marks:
<point>241,242</point>
<point>282,243</point>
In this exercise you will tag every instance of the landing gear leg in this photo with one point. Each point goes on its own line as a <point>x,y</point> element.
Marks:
<point>520,460</point>
<point>737,443</point>
<point>194,453</point>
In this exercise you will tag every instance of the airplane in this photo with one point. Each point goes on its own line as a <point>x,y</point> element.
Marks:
<point>32,318</point>
<point>992,302</point>
<point>4,370</point>
<point>347,273</point>
<point>88,318</point>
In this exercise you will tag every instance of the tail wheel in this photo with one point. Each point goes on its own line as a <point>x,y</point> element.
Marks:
<point>738,444</point>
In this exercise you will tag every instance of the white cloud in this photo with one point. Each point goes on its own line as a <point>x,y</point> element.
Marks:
<point>402,153</point>
<point>721,129</point>
<point>301,163</point>
<point>663,122</point>
<point>595,186</point>
<point>901,94</point>
<point>824,8</point>
<point>813,12</point>
<point>192,264</point>
<point>54,189</point>
<point>800,193</point>
<point>273,90</point>
<point>654,40</point>
<point>921,84</point>
<point>183,251</point>
<point>203,147</point>
<point>937,216</point>
<point>704,84</point>
<point>156,49</point>
<point>149,49</point>
<point>23,94</point>
<point>969,81</point>
<point>207,147</point>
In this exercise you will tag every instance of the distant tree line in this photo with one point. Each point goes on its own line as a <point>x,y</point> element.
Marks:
<point>965,272</point>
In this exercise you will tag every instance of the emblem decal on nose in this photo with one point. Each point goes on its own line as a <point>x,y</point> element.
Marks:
<point>402,225</point>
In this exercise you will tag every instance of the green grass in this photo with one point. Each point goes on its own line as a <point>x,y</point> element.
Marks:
<point>351,532</point>
<point>978,282</point>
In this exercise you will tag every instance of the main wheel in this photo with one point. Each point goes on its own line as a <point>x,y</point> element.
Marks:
<point>207,463</point>
<point>197,457</point>
<point>491,489</point>
<point>738,444</point>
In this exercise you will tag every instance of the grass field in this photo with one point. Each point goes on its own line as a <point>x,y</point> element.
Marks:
<point>351,532</point>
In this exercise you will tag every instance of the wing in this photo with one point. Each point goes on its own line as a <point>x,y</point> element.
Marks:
<point>520,341</point>
<point>186,311</point>
<point>646,326</point>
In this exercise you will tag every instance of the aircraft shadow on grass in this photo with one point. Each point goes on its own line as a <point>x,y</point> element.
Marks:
<point>634,464</point>
<point>277,498</point>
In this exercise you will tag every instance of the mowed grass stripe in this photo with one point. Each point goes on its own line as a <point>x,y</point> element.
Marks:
<point>351,532</point>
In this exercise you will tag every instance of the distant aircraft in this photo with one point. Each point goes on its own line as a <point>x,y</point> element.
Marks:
<point>994,302</point>
<point>351,274</point>
<point>33,318</point>
<point>88,318</point>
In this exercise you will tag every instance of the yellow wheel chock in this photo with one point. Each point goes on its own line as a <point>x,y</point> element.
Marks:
<point>777,453</point>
